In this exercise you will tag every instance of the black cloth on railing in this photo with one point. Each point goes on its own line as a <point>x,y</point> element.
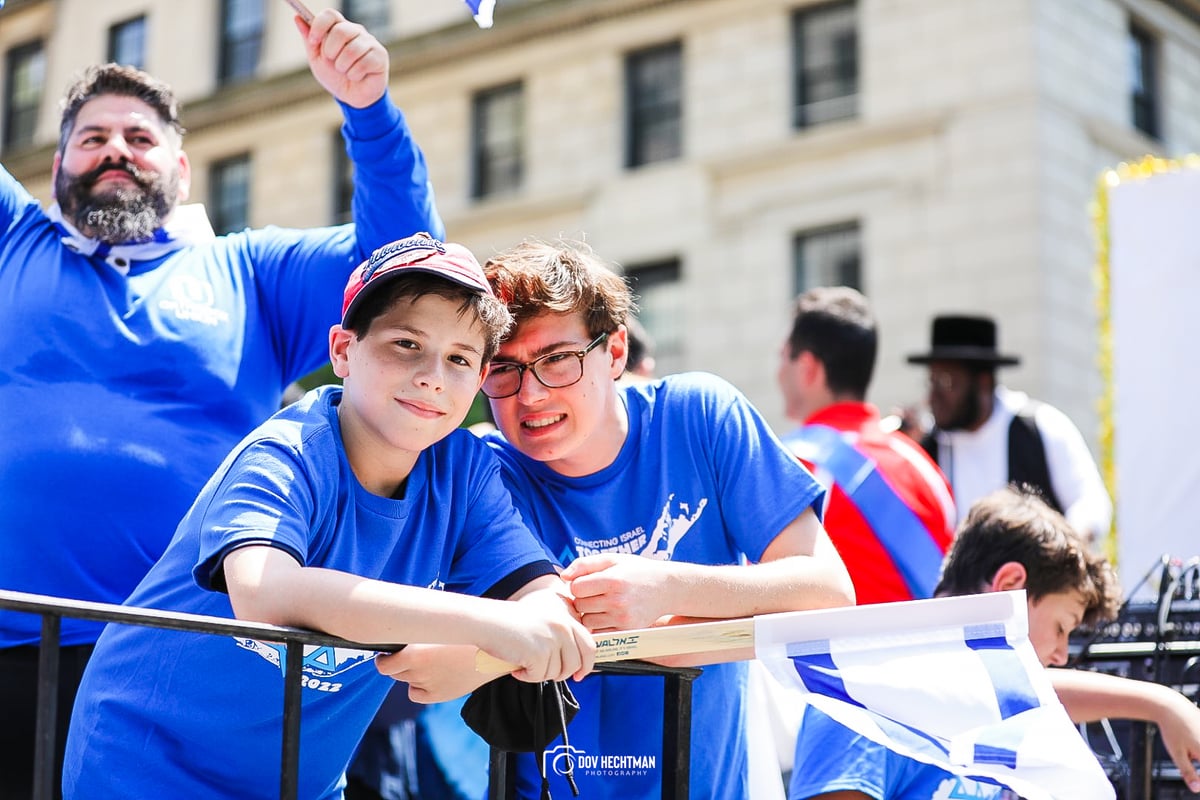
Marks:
<point>521,717</point>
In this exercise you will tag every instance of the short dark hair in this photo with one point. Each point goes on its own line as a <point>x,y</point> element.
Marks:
<point>836,325</point>
<point>492,314</point>
<point>124,81</point>
<point>1015,525</point>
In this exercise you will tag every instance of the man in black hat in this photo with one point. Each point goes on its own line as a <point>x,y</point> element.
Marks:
<point>987,435</point>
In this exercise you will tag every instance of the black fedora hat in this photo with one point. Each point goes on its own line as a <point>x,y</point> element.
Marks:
<point>957,337</point>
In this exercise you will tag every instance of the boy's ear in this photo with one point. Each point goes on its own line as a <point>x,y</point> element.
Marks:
<point>618,349</point>
<point>339,342</point>
<point>1009,577</point>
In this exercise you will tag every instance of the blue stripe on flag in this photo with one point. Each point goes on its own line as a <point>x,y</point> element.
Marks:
<point>820,676</point>
<point>1014,692</point>
<point>985,754</point>
<point>813,662</point>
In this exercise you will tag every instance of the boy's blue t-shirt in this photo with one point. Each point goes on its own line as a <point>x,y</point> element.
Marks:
<point>831,758</point>
<point>173,714</point>
<point>700,478</point>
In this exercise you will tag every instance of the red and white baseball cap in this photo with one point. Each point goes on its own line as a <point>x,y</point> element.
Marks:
<point>417,253</point>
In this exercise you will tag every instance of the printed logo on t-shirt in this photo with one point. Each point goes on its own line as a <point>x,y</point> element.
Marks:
<point>566,758</point>
<point>193,299</point>
<point>958,788</point>
<point>674,523</point>
<point>322,664</point>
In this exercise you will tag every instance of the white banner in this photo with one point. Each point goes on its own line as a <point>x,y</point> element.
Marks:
<point>1154,287</point>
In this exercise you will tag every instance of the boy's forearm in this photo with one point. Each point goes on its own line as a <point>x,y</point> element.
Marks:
<point>1090,696</point>
<point>267,585</point>
<point>793,583</point>
<point>800,570</point>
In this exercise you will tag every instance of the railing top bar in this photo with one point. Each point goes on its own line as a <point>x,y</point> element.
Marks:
<point>199,623</point>
<point>636,667</point>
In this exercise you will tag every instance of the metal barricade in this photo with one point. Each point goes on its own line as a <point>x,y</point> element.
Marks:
<point>677,698</point>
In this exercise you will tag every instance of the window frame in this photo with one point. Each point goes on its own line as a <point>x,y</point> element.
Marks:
<point>497,166</point>
<point>1145,90</point>
<point>378,20</point>
<point>809,111</point>
<point>825,235</point>
<point>219,181</point>
<point>116,33</point>
<point>664,321</point>
<point>21,120</point>
<point>239,53</point>
<point>652,111</point>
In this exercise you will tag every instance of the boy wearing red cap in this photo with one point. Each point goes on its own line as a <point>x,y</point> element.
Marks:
<point>343,513</point>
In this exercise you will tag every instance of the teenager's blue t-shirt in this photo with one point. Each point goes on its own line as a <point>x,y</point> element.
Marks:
<point>700,478</point>
<point>832,758</point>
<point>174,714</point>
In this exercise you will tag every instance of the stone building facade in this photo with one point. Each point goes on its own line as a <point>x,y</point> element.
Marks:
<point>939,154</point>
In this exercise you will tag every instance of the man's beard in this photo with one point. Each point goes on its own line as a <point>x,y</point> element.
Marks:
<point>121,215</point>
<point>967,413</point>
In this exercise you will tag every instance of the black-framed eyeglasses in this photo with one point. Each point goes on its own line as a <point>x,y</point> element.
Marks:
<point>553,370</point>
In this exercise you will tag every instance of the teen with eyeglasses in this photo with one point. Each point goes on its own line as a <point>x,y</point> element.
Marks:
<point>665,498</point>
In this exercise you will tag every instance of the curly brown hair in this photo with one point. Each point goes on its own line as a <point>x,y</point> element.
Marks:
<point>563,277</point>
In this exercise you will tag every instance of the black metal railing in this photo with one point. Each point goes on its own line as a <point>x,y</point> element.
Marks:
<point>677,708</point>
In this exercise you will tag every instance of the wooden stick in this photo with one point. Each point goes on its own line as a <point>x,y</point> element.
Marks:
<point>666,640</point>
<point>879,619</point>
<point>301,11</point>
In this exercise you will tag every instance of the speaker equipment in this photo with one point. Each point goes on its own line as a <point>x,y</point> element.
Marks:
<point>1151,640</point>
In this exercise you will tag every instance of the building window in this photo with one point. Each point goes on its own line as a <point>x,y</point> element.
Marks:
<point>825,53</point>
<point>828,257</point>
<point>374,15</point>
<point>230,205</point>
<point>127,42</point>
<point>1143,58</point>
<point>26,70</point>
<point>343,181</point>
<point>241,39</point>
<point>656,285</point>
<point>498,125</point>
<point>654,105</point>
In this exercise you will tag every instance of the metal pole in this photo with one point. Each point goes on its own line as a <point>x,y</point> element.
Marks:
<point>293,674</point>
<point>45,750</point>
<point>677,735</point>
<point>502,777</point>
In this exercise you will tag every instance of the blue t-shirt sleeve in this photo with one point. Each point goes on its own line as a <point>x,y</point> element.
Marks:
<point>393,195</point>
<point>830,758</point>
<point>261,498</point>
<point>14,200</point>
<point>763,486</point>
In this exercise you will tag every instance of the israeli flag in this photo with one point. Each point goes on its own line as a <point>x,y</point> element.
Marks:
<point>482,11</point>
<point>952,682</point>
